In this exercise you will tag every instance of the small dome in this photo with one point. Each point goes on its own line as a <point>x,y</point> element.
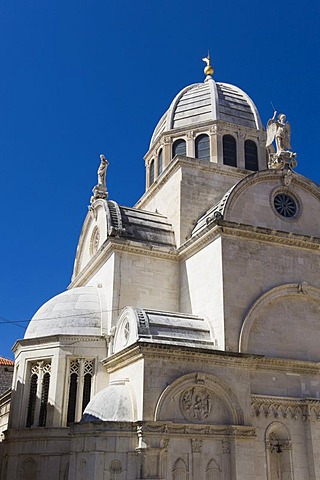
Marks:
<point>113,404</point>
<point>74,312</point>
<point>208,101</point>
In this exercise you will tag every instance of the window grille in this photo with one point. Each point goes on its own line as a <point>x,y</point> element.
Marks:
<point>229,150</point>
<point>251,155</point>
<point>179,147</point>
<point>202,145</point>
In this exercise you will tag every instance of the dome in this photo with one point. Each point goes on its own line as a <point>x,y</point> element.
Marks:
<point>111,404</point>
<point>74,312</point>
<point>208,101</point>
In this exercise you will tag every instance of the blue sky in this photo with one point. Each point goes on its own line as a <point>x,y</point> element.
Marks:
<point>80,78</point>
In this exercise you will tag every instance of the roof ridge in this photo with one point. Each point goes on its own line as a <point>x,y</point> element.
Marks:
<point>6,361</point>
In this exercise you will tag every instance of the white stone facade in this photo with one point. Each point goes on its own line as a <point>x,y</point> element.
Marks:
<point>186,346</point>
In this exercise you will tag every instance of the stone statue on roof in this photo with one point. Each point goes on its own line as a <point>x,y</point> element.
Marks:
<point>102,170</point>
<point>280,131</point>
<point>100,190</point>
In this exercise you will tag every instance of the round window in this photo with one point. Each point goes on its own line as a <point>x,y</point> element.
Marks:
<point>285,205</point>
<point>126,333</point>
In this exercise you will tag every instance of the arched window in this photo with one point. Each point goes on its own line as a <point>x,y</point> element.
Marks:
<point>179,147</point>
<point>72,398</point>
<point>32,399</point>
<point>160,162</point>
<point>115,469</point>
<point>44,400</point>
<point>80,381</point>
<point>229,150</point>
<point>251,155</point>
<point>202,145</point>
<point>29,469</point>
<point>151,172</point>
<point>279,452</point>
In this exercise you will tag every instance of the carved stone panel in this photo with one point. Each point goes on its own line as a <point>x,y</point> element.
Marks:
<point>198,404</point>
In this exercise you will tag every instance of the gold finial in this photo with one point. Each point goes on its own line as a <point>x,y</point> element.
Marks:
<point>208,70</point>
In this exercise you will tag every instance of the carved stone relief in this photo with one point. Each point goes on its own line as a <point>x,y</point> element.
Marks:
<point>196,403</point>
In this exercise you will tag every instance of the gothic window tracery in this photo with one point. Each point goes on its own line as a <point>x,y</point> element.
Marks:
<point>80,383</point>
<point>38,393</point>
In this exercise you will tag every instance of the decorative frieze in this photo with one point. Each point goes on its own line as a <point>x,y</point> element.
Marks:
<point>286,408</point>
<point>200,430</point>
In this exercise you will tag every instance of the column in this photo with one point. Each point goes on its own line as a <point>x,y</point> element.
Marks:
<point>196,446</point>
<point>214,147</point>
<point>226,460</point>
<point>240,150</point>
<point>190,145</point>
<point>167,146</point>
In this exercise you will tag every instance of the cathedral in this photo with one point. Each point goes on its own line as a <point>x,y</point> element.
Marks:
<point>186,346</point>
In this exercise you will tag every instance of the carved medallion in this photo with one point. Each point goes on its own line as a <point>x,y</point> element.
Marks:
<point>196,403</point>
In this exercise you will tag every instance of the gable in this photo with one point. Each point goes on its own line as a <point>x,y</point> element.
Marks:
<point>265,200</point>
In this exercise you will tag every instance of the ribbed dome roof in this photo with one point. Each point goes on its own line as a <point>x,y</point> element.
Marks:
<point>74,312</point>
<point>202,102</point>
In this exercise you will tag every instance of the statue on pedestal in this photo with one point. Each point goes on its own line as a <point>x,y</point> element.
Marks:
<point>100,190</point>
<point>280,131</point>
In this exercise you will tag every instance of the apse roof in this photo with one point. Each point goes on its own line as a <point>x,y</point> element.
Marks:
<point>140,225</point>
<point>208,101</point>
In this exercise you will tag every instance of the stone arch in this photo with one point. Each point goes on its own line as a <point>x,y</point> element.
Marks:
<point>115,469</point>
<point>180,470</point>
<point>268,307</point>
<point>278,452</point>
<point>199,398</point>
<point>29,469</point>
<point>267,175</point>
<point>213,470</point>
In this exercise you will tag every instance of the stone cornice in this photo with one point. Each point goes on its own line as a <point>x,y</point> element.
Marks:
<point>285,407</point>
<point>37,433</point>
<point>252,362</point>
<point>225,228</point>
<point>270,236</point>
<point>55,340</point>
<point>220,126</point>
